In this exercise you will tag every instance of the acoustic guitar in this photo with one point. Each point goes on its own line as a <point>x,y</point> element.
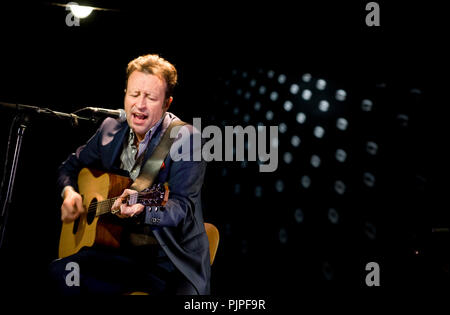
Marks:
<point>97,225</point>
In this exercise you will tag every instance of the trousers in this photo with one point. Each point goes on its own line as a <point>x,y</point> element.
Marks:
<point>106,271</point>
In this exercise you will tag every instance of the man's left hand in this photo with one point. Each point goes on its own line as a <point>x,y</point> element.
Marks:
<point>127,211</point>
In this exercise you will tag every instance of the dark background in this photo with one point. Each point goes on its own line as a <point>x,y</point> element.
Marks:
<point>218,49</point>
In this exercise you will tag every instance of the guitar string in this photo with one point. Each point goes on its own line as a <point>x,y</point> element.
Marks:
<point>105,206</point>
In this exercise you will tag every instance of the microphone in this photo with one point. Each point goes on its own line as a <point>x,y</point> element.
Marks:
<point>119,114</point>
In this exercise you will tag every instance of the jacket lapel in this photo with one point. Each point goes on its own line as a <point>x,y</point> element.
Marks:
<point>112,150</point>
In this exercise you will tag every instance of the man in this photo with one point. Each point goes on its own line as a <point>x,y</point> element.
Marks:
<point>169,255</point>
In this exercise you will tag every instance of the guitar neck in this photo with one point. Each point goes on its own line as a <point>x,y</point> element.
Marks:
<point>104,206</point>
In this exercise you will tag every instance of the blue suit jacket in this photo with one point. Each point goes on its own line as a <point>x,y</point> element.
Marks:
<point>180,228</point>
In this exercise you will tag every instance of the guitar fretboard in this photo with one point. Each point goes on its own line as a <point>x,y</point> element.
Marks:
<point>104,206</point>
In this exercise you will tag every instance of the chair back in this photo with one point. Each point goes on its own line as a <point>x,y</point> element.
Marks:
<point>213,237</point>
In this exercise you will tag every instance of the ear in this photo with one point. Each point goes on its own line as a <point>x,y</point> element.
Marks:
<point>168,102</point>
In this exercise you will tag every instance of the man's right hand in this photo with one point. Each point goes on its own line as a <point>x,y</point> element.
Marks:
<point>72,205</point>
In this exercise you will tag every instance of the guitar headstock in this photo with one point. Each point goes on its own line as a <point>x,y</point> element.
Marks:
<point>156,195</point>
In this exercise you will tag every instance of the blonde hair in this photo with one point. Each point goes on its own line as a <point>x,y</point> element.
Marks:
<point>156,65</point>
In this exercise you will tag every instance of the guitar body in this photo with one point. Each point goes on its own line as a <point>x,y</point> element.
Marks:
<point>88,229</point>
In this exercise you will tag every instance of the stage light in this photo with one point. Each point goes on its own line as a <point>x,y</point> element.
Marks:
<point>298,215</point>
<point>306,77</point>
<point>273,96</point>
<point>269,115</point>
<point>321,84</point>
<point>287,157</point>
<point>279,185</point>
<point>295,141</point>
<point>333,215</point>
<point>237,189</point>
<point>281,78</point>
<point>341,155</point>
<point>324,105</point>
<point>301,117</point>
<point>315,161</point>
<point>282,127</point>
<point>288,106</point>
<point>369,179</point>
<point>294,88</point>
<point>319,132</point>
<point>257,106</point>
<point>80,11</point>
<point>306,95</point>
<point>270,74</point>
<point>366,105</point>
<point>305,181</point>
<point>283,236</point>
<point>402,120</point>
<point>339,187</point>
<point>370,230</point>
<point>341,124</point>
<point>258,191</point>
<point>341,95</point>
<point>371,148</point>
<point>262,89</point>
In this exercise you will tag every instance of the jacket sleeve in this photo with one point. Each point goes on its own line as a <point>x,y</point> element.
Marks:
<point>185,183</point>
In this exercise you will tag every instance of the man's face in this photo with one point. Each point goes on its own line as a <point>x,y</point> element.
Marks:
<point>145,102</point>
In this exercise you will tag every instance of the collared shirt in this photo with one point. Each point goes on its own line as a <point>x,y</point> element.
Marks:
<point>132,155</point>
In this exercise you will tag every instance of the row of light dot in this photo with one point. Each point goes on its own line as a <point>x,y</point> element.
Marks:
<point>318,131</point>
<point>295,141</point>
<point>371,148</point>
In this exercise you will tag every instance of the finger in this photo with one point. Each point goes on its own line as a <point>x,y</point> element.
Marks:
<point>125,193</point>
<point>129,211</point>
<point>125,210</point>
<point>136,209</point>
<point>122,213</point>
<point>67,218</point>
<point>66,211</point>
<point>77,205</point>
<point>116,204</point>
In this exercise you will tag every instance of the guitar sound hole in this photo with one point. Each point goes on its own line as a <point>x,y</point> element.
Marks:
<point>91,213</point>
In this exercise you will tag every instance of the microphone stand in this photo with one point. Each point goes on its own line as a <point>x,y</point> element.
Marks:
<point>23,120</point>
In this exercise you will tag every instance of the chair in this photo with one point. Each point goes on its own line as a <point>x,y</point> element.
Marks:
<point>213,238</point>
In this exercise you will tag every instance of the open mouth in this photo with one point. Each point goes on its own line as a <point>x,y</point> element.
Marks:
<point>139,117</point>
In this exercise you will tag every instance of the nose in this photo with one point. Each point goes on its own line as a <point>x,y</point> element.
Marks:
<point>141,102</point>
